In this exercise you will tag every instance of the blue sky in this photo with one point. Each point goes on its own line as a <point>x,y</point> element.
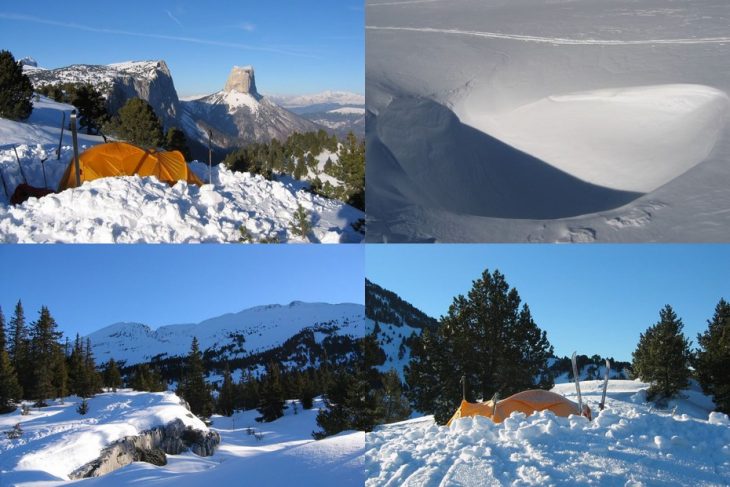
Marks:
<point>296,47</point>
<point>87,287</point>
<point>589,298</point>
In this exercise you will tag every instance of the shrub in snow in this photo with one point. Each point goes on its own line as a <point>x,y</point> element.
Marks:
<point>302,224</point>
<point>14,433</point>
<point>83,407</point>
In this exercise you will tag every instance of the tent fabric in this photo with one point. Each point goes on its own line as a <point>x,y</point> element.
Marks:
<point>122,159</point>
<point>527,402</point>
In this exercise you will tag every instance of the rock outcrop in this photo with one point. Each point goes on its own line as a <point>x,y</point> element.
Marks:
<point>242,80</point>
<point>150,446</point>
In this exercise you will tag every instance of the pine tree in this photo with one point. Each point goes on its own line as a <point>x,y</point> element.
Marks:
<point>44,346</point>
<point>394,405</point>
<point>9,388</point>
<point>91,106</point>
<point>662,356</point>
<point>59,380</point>
<point>713,358</point>
<point>19,350</point>
<point>226,398</point>
<point>137,123</point>
<point>112,376</point>
<point>302,224</point>
<point>16,90</point>
<point>77,379</point>
<point>175,140</point>
<point>194,388</point>
<point>487,337</point>
<point>271,400</point>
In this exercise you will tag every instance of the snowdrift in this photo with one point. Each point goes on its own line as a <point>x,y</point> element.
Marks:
<point>628,443</point>
<point>543,121</point>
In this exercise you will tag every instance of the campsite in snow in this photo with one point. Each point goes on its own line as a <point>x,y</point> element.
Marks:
<point>548,121</point>
<point>490,393</point>
<point>278,159</point>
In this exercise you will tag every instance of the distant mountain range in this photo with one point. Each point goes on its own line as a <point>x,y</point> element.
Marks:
<point>236,115</point>
<point>296,334</point>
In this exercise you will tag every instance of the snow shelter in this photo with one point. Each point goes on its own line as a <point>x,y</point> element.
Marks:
<point>526,402</point>
<point>122,159</point>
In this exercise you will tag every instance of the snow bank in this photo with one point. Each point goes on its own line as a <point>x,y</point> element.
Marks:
<point>57,440</point>
<point>628,443</point>
<point>134,209</point>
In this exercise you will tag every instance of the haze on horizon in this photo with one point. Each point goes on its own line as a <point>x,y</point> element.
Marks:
<point>295,48</point>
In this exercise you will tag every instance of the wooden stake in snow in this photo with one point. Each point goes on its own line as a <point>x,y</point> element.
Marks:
<point>15,149</point>
<point>74,137</point>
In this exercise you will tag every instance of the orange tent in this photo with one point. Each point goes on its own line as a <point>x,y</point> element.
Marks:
<point>527,402</point>
<point>122,159</point>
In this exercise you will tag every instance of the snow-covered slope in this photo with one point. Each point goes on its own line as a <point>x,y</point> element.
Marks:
<point>628,443</point>
<point>251,331</point>
<point>277,453</point>
<point>57,440</point>
<point>149,80</point>
<point>340,111</point>
<point>133,209</point>
<point>238,114</point>
<point>548,121</point>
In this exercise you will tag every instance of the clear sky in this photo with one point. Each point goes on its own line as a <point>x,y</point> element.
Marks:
<point>589,298</point>
<point>87,287</point>
<point>295,47</point>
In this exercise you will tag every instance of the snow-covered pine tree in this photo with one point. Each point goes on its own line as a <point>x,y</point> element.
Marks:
<point>713,357</point>
<point>662,356</point>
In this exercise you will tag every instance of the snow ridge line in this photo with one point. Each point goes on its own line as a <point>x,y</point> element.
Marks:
<point>558,40</point>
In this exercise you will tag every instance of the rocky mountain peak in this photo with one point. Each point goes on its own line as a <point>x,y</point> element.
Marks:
<point>241,80</point>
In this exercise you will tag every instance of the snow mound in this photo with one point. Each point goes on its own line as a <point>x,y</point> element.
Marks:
<point>631,139</point>
<point>626,444</point>
<point>57,440</point>
<point>134,209</point>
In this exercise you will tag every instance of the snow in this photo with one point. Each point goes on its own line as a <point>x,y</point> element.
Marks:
<point>134,209</point>
<point>57,440</point>
<point>234,100</point>
<point>348,111</point>
<point>531,121</point>
<point>284,449</point>
<point>325,97</point>
<point>263,328</point>
<point>628,443</point>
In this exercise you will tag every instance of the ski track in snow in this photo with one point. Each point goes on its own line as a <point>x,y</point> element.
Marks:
<point>562,41</point>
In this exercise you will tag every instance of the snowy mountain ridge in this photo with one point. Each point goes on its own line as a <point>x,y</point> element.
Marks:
<point>246,332</point>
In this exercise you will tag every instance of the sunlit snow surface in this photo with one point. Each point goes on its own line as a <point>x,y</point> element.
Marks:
<point>628,443</point>
<point>57,440</point>
<point>540,121</point>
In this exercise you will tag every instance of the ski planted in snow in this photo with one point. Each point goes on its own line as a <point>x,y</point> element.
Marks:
<point>577,383</point>
<point>605,385</point>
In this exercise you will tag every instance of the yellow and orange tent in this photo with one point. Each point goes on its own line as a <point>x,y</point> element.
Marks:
<point>527,402</point>
<point>122,159</point>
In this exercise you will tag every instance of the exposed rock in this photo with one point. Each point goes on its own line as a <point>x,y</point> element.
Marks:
<point>150,446</point>
<point>155,456</point>
<point>241,80</point>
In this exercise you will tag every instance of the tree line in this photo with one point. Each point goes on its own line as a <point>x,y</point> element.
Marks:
<point>297,156</point>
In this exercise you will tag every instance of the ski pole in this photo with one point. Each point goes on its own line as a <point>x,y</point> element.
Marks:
<point>19,165</point>
<point>60,139</point>
<point>43,166</point>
